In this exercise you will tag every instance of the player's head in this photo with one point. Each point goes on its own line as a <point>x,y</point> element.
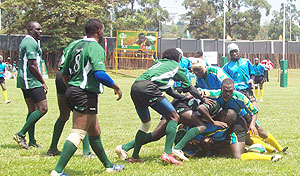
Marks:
<point>199,68</point>
<point>227,88</point>
<point>171,54</point>
<point>34,29</point>
<point>233,51</point>
<point>94,28</point>
<point>142,37</point>
<point>180,51</point>
<point>199,54</point>
<point>226,115</point>
<point>1,58</point>
<point>256,60</point>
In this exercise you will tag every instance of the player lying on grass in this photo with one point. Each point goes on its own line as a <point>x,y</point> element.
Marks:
<point>147,91</point>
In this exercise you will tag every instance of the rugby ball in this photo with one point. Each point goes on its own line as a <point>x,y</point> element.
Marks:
<point>258,148</point>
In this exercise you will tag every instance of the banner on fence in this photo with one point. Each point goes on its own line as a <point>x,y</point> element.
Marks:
<point>137,40</point>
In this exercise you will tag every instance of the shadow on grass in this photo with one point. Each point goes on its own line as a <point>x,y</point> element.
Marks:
<point>11,146</point>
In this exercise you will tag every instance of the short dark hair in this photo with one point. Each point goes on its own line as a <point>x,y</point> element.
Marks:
<point>92,26</point>
<point>171,54</point>
<point>30,25</point>
<point>227,81</point>
<point>141,34</point>
<point>199,52</point>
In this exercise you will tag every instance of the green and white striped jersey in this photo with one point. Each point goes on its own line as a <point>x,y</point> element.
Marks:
<point>65,53</point>
<point>85,57</point>
<point>29,49</point>
<point>164,73</point>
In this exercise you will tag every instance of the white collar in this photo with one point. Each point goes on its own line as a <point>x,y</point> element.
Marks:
<point>29,36</point>
<point>90,39</point>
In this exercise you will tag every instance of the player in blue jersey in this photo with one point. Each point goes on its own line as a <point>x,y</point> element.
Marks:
<point>260,78</point>
<point>2,80</point>
<point>242,73</point>
<point>186,65</point>
<point>208,77</point>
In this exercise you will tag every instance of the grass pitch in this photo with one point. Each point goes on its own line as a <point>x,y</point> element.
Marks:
<point>279,114</point>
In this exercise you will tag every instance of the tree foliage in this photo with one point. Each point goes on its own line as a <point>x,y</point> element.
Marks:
<point>242,17</point>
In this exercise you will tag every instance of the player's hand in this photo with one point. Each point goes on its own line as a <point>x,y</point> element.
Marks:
<point>188,95</point>
<point>209,102</point>
<point>45,88</point>
<point>119,93</point>
<point>252,83</point>
<point>220,124</point>
<point>253,130</point>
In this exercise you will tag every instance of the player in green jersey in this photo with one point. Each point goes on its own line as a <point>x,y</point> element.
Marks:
<point>147,91</point>
<point>32,84</point>
<point>64,110</point>
<point>84,72</point>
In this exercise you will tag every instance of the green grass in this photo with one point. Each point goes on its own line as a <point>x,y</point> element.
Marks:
<point>279,114</point>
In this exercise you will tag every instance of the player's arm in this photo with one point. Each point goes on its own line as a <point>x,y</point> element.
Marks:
<point>203,109</point>
<point>33,67</point>
<point>106,80</point>
<point>252,111</point>
<point>175,94</point>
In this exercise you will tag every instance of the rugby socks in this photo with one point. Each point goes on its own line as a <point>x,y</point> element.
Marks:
<point>58,128</point>
<point>97,147</point>
<point>273,142</point>
<point>32,119</point>
<point>189,135</point>
<point>170,136</point>
<point>269,148</point>
<point>261,93</point>
<point>86,145</point>
<point>139,139</point>
<point>256,93</point>
<point>67,152</point>
<point>31,132</point>
<point>255,156</point>
<point>130,145</point>
<point>5,95</point>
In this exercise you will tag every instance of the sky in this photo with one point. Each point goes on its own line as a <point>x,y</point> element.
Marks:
<point>175,6</point>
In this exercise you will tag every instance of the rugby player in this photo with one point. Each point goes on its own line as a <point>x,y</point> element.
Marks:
<point>84,72</point>
<point>32,84</point>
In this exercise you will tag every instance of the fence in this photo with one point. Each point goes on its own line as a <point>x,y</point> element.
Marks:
<point>9,46</point>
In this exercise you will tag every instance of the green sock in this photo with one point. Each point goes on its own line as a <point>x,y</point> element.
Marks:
<point>139,139</point>
<point>189,135</point>
<point>31,132</point>
<point>32,119</point>
<point>86,145</point>
<point>66,154</point>
<point>170,136</point>
<point>58,128</point>
<point>96,145</point>
<point>130,145</point>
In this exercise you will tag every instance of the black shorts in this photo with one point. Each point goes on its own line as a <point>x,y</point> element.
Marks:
<point>36,94</point>
<point>145,93</point>
<point>258,79</point>
<point>82,101</point>
<point>238,131</point>
<point>249,94</point>
<point>180,106</point>
<point>2,80</point>
<point>60,85</point>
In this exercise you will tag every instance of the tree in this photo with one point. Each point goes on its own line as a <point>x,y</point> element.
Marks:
<point>242,17</point>
<point>62,19</point>
<point>276,24</point>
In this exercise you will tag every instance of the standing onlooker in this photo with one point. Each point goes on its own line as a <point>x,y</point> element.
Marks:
<point>260,78</point>
<point>2,80</point>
